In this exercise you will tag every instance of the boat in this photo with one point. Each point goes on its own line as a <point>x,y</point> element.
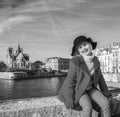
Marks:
<point>12,75</point>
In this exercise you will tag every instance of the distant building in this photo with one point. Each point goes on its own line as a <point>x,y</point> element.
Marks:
<point>106,60</point>
<point>110,58</point>
<point>57,63</point>
<point>17,59</point>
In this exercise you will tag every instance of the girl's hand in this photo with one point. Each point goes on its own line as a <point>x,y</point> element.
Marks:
<point>69,103</point>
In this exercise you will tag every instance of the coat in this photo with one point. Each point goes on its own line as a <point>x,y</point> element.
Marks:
<point>78,79</point>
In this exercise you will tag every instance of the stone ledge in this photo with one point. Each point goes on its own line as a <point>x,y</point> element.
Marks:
<point>37,107</point>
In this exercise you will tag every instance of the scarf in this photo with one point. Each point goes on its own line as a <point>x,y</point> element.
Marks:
<point>89,62</point>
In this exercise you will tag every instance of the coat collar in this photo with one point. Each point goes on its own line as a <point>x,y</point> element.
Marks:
<point>83,65</point>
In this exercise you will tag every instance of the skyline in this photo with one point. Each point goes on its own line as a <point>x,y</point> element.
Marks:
<point>47,28</point>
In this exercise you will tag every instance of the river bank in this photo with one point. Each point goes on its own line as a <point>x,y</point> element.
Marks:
<point>112,77</point>
<point>18,75</point>
<point>37,107</point>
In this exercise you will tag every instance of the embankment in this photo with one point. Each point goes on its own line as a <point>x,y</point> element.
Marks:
<point>37,107</point>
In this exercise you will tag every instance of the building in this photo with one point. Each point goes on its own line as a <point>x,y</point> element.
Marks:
<point>115,47</point>
<point>110,58</point>
<point>106,60</point>
<point>17,59</point>
<point>57,63</point>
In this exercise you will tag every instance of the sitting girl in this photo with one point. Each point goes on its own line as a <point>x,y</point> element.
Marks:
<point>84,76</point>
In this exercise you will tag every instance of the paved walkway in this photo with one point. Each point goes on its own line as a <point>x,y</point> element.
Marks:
<point>113,84</point>
<point>114,87</point>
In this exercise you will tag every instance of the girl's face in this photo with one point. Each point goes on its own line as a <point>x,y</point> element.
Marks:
<point>85,48</point>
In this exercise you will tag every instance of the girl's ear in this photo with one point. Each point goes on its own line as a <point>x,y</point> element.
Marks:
<point>90,46</point>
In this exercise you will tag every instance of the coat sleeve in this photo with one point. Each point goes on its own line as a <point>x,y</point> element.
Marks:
<point>67,90</point>
<point>103,86</point>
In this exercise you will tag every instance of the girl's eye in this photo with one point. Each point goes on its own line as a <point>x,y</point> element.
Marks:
<point>84,44</point>
<point>80,47</point>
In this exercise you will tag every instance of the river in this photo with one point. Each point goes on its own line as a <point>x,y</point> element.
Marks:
<point>40,87</point>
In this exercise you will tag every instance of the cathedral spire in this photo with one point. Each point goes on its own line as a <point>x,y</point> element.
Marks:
<point>19,49</point>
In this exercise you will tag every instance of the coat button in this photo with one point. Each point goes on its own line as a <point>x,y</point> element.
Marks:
<point>76,87</point>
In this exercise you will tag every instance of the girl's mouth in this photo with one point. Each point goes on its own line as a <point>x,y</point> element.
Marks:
<point>85,51</point>
<point>90,53</point>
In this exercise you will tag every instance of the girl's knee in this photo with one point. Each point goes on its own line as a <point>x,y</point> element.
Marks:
<point>87,107</point>
<point>85,102</point>
<point>105,104</point>
<point>87,111</point>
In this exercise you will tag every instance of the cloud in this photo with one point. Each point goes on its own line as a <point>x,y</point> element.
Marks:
<point>7,24</point>
<point>12,3</point>
<point>48,5</point>
<point>109,4</point>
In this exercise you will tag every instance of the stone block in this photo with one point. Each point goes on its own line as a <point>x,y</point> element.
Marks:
<point>38,107</point>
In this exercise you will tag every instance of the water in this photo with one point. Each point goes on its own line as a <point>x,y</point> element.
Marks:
<point>40,87</point>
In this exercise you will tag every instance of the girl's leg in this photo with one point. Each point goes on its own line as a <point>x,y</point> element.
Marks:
<point>86,105</point>
<point>102,101</point>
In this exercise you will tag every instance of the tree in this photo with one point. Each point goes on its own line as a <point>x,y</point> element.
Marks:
<point>2,66</point>
<point>37,65</point>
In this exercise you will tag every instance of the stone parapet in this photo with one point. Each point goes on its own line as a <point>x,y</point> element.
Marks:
<point>37,107</point>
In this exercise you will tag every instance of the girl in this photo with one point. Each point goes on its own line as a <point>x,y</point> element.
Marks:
<point>84,83</point>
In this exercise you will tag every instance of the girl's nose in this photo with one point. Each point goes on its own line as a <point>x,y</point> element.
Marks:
<point>84,47</point>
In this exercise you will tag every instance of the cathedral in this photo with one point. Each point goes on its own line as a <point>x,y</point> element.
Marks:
<point>17,59</point>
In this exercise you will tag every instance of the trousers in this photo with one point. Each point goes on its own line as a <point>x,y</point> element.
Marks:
<point>96,96</point>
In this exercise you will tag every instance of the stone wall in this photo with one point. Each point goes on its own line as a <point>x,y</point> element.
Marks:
<point>37,107</point>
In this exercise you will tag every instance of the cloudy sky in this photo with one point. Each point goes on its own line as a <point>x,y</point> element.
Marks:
<point>47,28</point>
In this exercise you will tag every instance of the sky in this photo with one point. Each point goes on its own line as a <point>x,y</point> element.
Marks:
<point>47,28</point>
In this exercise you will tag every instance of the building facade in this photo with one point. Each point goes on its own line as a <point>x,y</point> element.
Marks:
<point>57,63</point>
<point>109,58</point>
